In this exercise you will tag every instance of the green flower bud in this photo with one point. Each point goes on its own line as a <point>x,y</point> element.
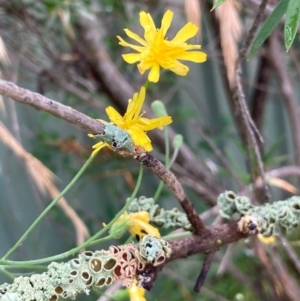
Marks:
<point>118,228</point>
<point>158,108</point>
<point>177,141</point>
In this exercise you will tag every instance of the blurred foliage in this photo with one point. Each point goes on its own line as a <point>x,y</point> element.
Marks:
<point>43,39</point>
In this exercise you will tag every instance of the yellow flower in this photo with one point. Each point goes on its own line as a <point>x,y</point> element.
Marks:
<point>134,122</point>
<point>136,293</point>
<point>138,224</point>
<point>267,240</point>
<point>157,51</point>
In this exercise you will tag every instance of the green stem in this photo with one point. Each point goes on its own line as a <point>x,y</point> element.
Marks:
<point>7,274</point>
<point>146,85</point>
<point>89,242</point>
<point>28,267</point>
<point>167,164</point>
<point>52,204</point>
<point>108,226</point>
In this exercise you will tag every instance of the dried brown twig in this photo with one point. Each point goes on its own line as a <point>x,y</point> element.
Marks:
<point>171,181</point>
<point>51,106</point>
<point>251,131</point>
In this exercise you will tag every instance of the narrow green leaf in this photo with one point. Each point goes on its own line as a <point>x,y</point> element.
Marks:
<point>291,23</point>
<point>268,26</point>
<point>217,3</point>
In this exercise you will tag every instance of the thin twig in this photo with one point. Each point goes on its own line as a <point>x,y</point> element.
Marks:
<point>51,106</point>
<point>292,254</point>
<point>252,131</point>
<point>252,31</point>
<point>171,181</point>
<point>205,267</point>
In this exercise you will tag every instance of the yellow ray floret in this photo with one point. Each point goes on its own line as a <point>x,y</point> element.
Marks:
<point>157,52</point>
<point>138,224</point>
<point>134,123</point>
<point>136,293</point>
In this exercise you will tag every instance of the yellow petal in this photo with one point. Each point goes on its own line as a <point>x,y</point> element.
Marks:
<point>135,37</point>
<point>150,124</point>
<point>267,240</point>
<point>166,21</point>
<point>131,108</point>
<point>136,293</point>
<point>98,146</point>
<point>139,101</point>
<point>126,44</point>
<point>148,25</point>
<point>140,138</point>
<point>185,33</point>
<point>180,69</point>
<point>196,57</point>
<point>146,21</point>
<point>139,225</point>
<point>154,74</point>
<point>131,58</point>
<point>114,116</point>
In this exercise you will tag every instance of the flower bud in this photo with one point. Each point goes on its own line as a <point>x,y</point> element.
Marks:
<point>158,108</point>
<point>177,141</point>
<point>119,227</point>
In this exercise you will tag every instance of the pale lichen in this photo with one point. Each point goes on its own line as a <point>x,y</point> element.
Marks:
<point>267,219</point>
<point>99,268</point>
<point>160,217</point>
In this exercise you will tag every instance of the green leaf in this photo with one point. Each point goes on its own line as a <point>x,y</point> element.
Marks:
<point>291,23</point>
<point>217,3</point>
<point>268,26</point>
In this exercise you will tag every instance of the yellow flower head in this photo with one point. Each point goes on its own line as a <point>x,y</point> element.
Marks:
<point>138,224</point>
<point>136,293</point>
<point>157,51</point>
<point>134,123</point>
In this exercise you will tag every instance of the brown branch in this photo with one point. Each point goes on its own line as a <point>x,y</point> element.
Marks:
<point>259,97</point>
<point>51,106</point>
<point>171,181</point>
<point>251,131</point>
<point>205,267</point>
<point>211,239</point>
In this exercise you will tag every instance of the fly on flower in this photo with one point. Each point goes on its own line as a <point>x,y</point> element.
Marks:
<point>156,51</point>
<point>134,123</point>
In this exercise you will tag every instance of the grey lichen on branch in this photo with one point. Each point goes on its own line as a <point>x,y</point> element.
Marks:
<point>90,269</point>
<point>267,219</point>
<point>159,217</point>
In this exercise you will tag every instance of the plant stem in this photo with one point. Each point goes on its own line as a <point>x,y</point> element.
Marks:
<point>91,241</point>
<point>52,204</point>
